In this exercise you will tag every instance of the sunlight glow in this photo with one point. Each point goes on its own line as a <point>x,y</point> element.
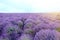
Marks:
<point>30,6</point>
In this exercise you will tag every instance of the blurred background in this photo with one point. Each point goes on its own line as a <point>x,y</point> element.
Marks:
<point>29,6</point>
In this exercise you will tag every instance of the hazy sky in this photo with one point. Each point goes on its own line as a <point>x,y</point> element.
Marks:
<point>29,5</point>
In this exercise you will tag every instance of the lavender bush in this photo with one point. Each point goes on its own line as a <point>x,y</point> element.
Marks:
<point>12,32</point>
<point>25,37</point>
<point>47,35</point>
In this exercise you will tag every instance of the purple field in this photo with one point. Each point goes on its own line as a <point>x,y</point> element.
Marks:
<point>23,26</point>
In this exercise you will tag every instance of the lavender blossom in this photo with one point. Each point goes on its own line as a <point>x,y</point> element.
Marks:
<point>25,37</point>
<point>47,35</point>
<point>29,24</point>
<point>12,32</point>
<point>30,32</point>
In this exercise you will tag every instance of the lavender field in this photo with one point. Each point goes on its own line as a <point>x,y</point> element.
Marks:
<point>23,26</point>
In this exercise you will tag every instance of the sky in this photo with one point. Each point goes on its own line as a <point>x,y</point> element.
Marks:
<point>29,6</point>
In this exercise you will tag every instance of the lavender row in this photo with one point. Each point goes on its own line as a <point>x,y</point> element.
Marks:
<point>26,27</point>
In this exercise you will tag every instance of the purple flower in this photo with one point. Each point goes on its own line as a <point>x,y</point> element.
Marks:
<point>25,37</point>
<point>12,32</point>
<point>1,38</point>
<point>30,32</point>
<point>29,24</point>
<point>47,35</point>
<point>2,25</point>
